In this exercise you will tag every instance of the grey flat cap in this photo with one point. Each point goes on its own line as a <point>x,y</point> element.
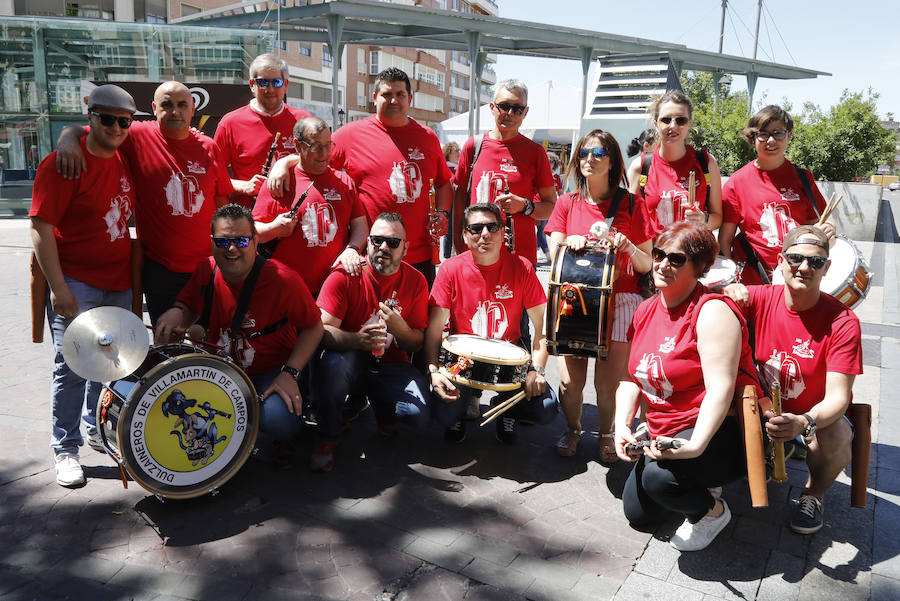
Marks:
<point>111,97</point>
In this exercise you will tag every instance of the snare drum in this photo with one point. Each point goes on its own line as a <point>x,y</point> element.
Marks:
<point>723,272</point>
<point>848,277</point>
<point>483,363</point>
<point>580,302</point>
<point>182,424</point>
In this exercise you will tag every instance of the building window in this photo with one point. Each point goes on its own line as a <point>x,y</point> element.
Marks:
<point>187,10</point>
<point>320,94</point>
<point>360,60</point>
<point>428,102</point>
<point>374,55</point>
<point>361,94</point>
<point>304,48</point>
<point>327,60</point>
<point>281,45</point>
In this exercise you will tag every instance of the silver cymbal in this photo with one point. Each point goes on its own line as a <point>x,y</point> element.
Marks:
<point>105,344</point>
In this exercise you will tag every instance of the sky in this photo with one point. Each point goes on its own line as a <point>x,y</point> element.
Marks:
<point>857,42</point>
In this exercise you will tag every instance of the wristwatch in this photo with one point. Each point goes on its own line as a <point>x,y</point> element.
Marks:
<point>432,370</point>
<point>529,207</point>
<point>540,370</point>
<point>290,370</point>
<point>811,428</point>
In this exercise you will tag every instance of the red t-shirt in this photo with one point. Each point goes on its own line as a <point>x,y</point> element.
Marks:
<point>520,165</point>
<point>766,205</point>
<point>573,215</point>
<point>799,348</point>
<point>391,167</point>
<point>244,137</point>
<point>666,191</point>
<point>665,363</point>
<point>91,216</point>
<point>279,294</point>
<point>323,227</point>
<point>487,301</point>
<point>176,183</point>
<point>354,301</point>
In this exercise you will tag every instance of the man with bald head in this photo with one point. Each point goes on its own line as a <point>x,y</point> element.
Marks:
<point>179,181</point>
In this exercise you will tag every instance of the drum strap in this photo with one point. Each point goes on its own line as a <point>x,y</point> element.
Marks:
<point>804,181</point>
<point>244,299</point>
<point>207,299</point>
<point>648,159</point>
<point>752,258</point>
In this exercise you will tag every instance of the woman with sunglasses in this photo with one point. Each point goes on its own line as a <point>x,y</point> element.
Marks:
<point>598,168</point>
<point>662,174</point>
<point>689,351</point>
<point>767,197</point>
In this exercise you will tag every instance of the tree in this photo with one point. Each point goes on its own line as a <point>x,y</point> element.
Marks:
<point>846,143</point>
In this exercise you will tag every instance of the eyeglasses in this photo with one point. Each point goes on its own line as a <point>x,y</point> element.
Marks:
<point>377,241</point>
<point>598,153</point>
<point>318,148</point>
<point>778,134</point>
<point>476,228</point>
<point>675,259</point>
<point>238,241</point>
<point>262,82</point>
<point>815,262</point>
<point>107,120</point>
<point>516,109</point>
<point>678,120</point>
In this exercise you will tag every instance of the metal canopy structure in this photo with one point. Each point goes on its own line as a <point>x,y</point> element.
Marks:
<point>373,23</point>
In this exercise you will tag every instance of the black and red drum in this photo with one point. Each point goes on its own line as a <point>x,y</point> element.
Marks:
<point>580,301</point>
<point>182,424</point>
<point>483,363</point>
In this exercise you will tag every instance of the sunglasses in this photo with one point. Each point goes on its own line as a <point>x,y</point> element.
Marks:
<point>238,241</point>
<point>778,134</point>
<point>476,228</point>
<point>516,109</point>
<point>598,153</point>
<point>262,82</point>
<point>675,259</point>
<point>107,120</point>
<point>678,120</point>
<point>815,262</point>
<point>377,241</point>
<point>318,148</point>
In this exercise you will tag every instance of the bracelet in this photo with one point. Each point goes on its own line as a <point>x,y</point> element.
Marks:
<point>354,247</point>
<point>633,250</point>
<point>529,207</point>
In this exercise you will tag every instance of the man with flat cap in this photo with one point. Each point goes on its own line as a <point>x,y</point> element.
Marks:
<point>810,344</point>
<point>81,240</point>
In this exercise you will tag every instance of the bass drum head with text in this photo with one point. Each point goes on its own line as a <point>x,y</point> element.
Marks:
<point>188,426</point>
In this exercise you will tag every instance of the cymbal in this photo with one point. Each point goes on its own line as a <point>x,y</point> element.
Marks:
<point>105,344</point>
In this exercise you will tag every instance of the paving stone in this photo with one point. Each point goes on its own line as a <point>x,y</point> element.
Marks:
<point>658,560</point>
<point>638,587</point>
<point>884,588</point>
<point>596,587</point>
<point>435,584</point>
<point>442,556</point>
<point>722,570</point>
<point>782,578</point>
<point>497,575</point>
<point>480,547</point>
<point>547,572</point>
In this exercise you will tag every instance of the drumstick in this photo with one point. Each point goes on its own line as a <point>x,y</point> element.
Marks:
<point>822,217</point>
<point>828,211</point>
<point>691,184</point>
<point>779,473</point>
<point>195,333</point>
<point>495,412</point>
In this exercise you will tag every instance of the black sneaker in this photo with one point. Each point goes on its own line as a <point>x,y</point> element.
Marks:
<point>353,408</point>
<point>506,430</point>
<point>808,515</point>
<point>455,433</point>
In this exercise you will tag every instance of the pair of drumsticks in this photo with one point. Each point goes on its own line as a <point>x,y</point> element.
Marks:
<point>829,209</point>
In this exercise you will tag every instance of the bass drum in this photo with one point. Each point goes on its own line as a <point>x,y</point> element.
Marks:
<point>182,424</point>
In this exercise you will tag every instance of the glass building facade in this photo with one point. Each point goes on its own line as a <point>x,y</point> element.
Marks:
<point>45,60</point>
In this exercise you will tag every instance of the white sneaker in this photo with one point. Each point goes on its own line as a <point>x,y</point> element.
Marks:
<point>694,537</point>
<point>68,470</point>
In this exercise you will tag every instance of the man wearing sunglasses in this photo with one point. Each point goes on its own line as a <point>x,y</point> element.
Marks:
<point>178,180</point>
<point>373,320</point>
<point>245,136</point>
<point>328,227</point>
<point>279,331</point>
<point>509,170</point>
<point>809,343</point>
<point>483,292</point>
<point>83,246</point>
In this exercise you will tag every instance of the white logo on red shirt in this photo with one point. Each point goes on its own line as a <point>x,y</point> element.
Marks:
<point>126,185</point>
<point>331,195</point>
<point>490,320</point>
<point>415,154</point>
<point>788,194</point>
<point>238,349</point>
<point>671,206</point>
<point>117,217</point>
<point>405,182</point>
<point>508,166</point>
<point>196,167</point>
<point>319,224</point>
<point>654,383</point>
<point>490,186</point>
<point>183,195</point>
<point>668,345</point>
<point>503,292</point>
<point>782,368</point>
<point>774,222</point>
<point>801,349</point>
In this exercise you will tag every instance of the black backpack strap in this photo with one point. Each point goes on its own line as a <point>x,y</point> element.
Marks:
<point>704,165</point>
<point>477,141</point>
<point>207,299</point>
<point>615,202</point>
<point>804,181</point>
<point>246,293</point>
<point>645,171</point>
<point>752,259</point>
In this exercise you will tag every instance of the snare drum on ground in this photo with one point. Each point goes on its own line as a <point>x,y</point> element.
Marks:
<point>483,363</point>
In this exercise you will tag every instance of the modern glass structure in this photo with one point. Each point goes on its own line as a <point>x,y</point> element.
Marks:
<point>44,60</point>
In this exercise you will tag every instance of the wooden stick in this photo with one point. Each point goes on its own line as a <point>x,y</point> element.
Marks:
<point>822,217</point>
<point>779,473</point>
<point>751,426</point>
<point>691,184</point>
<point>861,416</point>
<point>38,300</point>
<point>495,412</point>
<point>828,211</point>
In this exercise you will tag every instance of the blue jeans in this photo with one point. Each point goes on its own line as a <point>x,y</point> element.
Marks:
<point>397,391</point>
<point>542,238</point>
<point>275,421</point>
<point>541,409</point>
<point>72,398</point>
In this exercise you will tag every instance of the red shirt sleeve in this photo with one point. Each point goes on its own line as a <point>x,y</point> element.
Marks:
<point>418,317</point>
<point>192,293</point>
<point>560,216</point>
<point>731,212</point>
<point>441,293</point>
<point>845,351</point>
<point>333,296</point>
<point>303,311</point>
<point>52,192</point>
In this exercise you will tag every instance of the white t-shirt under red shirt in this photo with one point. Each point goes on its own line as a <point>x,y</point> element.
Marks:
<point>323,227</point>
<point>666,191</point>
<point>245,135</point>
<point>176,184</point>
<point>91,216</point>
<point>392,168</point>
<point>487,301</point>
<point>766,205</point>
<point>519,165</point>
<point>798,348</point>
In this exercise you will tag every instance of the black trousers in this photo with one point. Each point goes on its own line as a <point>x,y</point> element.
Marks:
<point>161,287</point>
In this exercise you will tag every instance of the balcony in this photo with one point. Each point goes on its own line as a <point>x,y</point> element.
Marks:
<point>459,67</point>
<point>488,7</point>
<point>489,76</point>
